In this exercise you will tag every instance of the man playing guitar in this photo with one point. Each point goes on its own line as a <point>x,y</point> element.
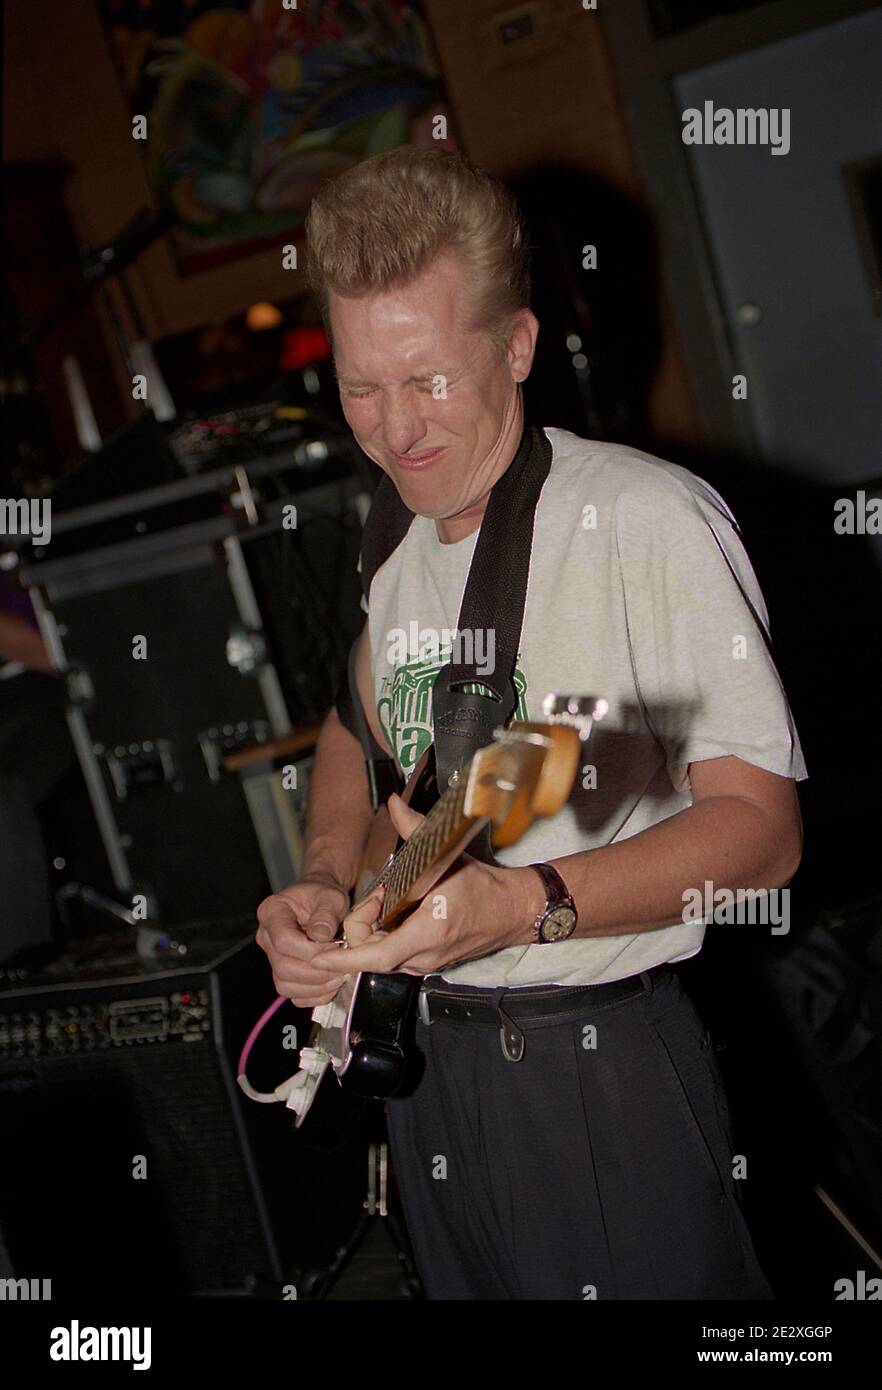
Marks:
<point>590,1155</point>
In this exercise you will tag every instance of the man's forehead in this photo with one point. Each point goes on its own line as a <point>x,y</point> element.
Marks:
<point>393,321</point>
<point>383,329</point>
<point>402,356</point>
<point>434,297</point>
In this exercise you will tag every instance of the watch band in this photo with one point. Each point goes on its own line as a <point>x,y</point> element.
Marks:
<point>558,921</point>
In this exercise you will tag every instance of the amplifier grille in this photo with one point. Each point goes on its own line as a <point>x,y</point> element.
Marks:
<point>79,1123</point>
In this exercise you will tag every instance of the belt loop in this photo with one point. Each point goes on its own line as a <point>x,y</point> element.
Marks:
<point>510,1035</point>
<point>648,981</point>
<point>423,1007</point>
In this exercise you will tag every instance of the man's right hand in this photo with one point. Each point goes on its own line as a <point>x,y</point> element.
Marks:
<point>296,925</point>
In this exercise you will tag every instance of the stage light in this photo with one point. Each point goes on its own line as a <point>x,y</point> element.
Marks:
<point>263,315</point>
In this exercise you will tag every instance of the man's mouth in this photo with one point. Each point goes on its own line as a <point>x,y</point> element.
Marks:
<point>416,460</point>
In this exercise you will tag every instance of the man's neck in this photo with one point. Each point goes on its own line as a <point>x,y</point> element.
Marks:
<point>451,529</point>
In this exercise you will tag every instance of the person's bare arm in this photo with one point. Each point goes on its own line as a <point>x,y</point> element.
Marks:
<point>295,922</point>
<point>743,831</point>
<point>339,812</point>
<point>21,642</point>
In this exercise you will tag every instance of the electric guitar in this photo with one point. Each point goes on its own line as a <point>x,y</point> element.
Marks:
<point>526,773</point>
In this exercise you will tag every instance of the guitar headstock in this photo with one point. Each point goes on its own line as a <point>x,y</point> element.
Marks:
<point>529,769</point>
<point>577,711</point>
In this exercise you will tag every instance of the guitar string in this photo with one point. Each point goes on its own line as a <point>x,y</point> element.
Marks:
<point>424,845</point>
<point>399,873</point>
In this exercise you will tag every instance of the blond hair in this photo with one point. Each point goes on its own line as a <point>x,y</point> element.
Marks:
<point>384,221</point>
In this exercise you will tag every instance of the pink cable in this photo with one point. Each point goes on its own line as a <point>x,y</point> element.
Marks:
<point>255,1031</point>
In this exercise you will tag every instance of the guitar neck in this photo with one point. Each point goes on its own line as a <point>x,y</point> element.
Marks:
<point>525,773</point>
<point>419,862</point>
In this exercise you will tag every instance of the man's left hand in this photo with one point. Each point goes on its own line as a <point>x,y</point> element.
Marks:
<point>473,910</point>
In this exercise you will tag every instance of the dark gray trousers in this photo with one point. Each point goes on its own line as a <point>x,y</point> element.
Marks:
<point>599,1166</point>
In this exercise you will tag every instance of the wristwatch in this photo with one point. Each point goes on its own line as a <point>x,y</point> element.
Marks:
<point>559,919</point>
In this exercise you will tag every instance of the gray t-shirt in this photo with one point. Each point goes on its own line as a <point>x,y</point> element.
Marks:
<point>640,592</point>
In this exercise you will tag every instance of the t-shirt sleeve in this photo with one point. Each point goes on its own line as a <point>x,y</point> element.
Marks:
<point>698,632</point>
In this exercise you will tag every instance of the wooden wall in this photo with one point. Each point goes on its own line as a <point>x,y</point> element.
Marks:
<point>63,99</point>
<point>551,97</point>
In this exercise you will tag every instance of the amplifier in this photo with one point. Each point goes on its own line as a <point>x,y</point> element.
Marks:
<point>180,647</point>
<point>131,1162</point>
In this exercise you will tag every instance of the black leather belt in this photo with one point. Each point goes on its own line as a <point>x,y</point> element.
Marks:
<point>513,1011</point>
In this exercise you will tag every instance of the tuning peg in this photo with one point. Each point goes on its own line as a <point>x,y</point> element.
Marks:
<point>580,711</point>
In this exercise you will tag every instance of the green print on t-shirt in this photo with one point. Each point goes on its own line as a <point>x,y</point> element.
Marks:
<point>404,706</point>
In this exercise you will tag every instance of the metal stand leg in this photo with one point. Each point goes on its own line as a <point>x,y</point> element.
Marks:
<point>317,1283</point>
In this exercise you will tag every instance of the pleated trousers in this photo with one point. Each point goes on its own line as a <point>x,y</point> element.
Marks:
<point>599,1166</point>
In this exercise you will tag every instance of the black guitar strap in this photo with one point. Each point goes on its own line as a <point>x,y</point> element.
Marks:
<point>494,599</point>
<point>388,522</point>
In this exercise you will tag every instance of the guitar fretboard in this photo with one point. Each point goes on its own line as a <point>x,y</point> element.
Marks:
<point>442,827</point>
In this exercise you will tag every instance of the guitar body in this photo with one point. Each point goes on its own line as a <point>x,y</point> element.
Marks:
<point>379,1019</point>
<point>373,1046</point>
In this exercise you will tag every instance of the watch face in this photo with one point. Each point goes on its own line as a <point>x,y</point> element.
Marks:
<point>558,925</point>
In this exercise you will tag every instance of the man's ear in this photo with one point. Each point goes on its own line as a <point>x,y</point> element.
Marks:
<point>522,344</point>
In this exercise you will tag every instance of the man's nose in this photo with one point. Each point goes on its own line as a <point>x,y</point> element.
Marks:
<point>403,425</point>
